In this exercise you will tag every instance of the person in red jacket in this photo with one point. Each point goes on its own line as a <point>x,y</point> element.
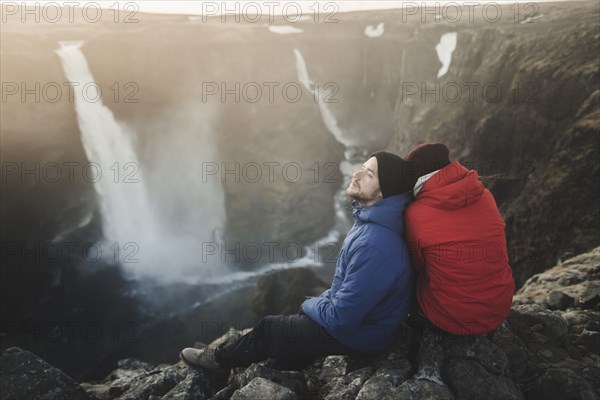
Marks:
<point>458,246</point>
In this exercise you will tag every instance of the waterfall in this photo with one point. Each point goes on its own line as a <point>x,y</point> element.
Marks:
<point>123,202</point>
<point>134,234</point>
<point>326,114</point>
<point>354,153</point>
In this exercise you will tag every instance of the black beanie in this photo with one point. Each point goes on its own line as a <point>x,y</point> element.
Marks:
<point>396,176</point>
<point>429,157</point>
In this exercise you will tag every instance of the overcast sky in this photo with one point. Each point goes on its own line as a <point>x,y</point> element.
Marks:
<point>249,6</point>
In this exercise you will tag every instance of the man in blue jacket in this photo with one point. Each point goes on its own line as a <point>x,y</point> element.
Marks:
<point>371,290</point>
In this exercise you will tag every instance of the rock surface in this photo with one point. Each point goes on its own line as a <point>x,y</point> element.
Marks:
<point>260,388</point>
<point>574,283</point>
<point>537,353</point>
<point>23,375</point>
<point>572,290</point>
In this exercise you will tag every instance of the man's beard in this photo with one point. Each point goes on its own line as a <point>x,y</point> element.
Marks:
<point>360,198</point>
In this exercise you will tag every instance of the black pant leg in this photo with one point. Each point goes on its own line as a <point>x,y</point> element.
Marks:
<point>290,339</point>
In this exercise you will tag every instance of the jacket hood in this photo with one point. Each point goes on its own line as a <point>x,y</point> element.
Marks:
<point>452,187</point>
<point>387,212</point>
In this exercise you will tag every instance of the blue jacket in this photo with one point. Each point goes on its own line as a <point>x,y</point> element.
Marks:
<point>372,286</point>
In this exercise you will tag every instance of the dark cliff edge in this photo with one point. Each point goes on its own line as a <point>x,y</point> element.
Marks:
<point>537,353</point>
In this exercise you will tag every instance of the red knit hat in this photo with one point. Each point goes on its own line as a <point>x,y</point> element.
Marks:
<point>429,157</point>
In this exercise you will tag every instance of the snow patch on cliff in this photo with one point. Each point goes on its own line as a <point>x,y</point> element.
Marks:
<point>373,32</point>
<point>284,29</point>
<point>444,50</point>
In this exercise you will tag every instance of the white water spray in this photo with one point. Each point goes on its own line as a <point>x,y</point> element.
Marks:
<point>134,235</point>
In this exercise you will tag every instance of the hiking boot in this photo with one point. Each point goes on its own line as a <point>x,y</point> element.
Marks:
<point>204,358</point>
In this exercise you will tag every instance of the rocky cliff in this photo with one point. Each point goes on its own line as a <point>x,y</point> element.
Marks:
<point>530,126</point>
<point>537,353</point>
<point>520,103</point>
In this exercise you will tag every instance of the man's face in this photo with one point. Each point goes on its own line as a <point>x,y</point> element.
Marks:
<point>364,187</point>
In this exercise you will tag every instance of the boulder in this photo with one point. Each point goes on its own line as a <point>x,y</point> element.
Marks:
<point>283,291</point>
<point>467,368</point>
<point>572,290</point>
<point>261,388</point>
<point>23,375</point>
<point>560,384</point>
<point>138,380</point>
<point>574,283</point>
<point>293,380</point>
<point>348,386</point>
<point>536,323</point>
<point>422,389</point>
<point>333,367</point>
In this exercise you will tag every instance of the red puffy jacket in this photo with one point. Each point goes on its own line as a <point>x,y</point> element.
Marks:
<point>458,248</point>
